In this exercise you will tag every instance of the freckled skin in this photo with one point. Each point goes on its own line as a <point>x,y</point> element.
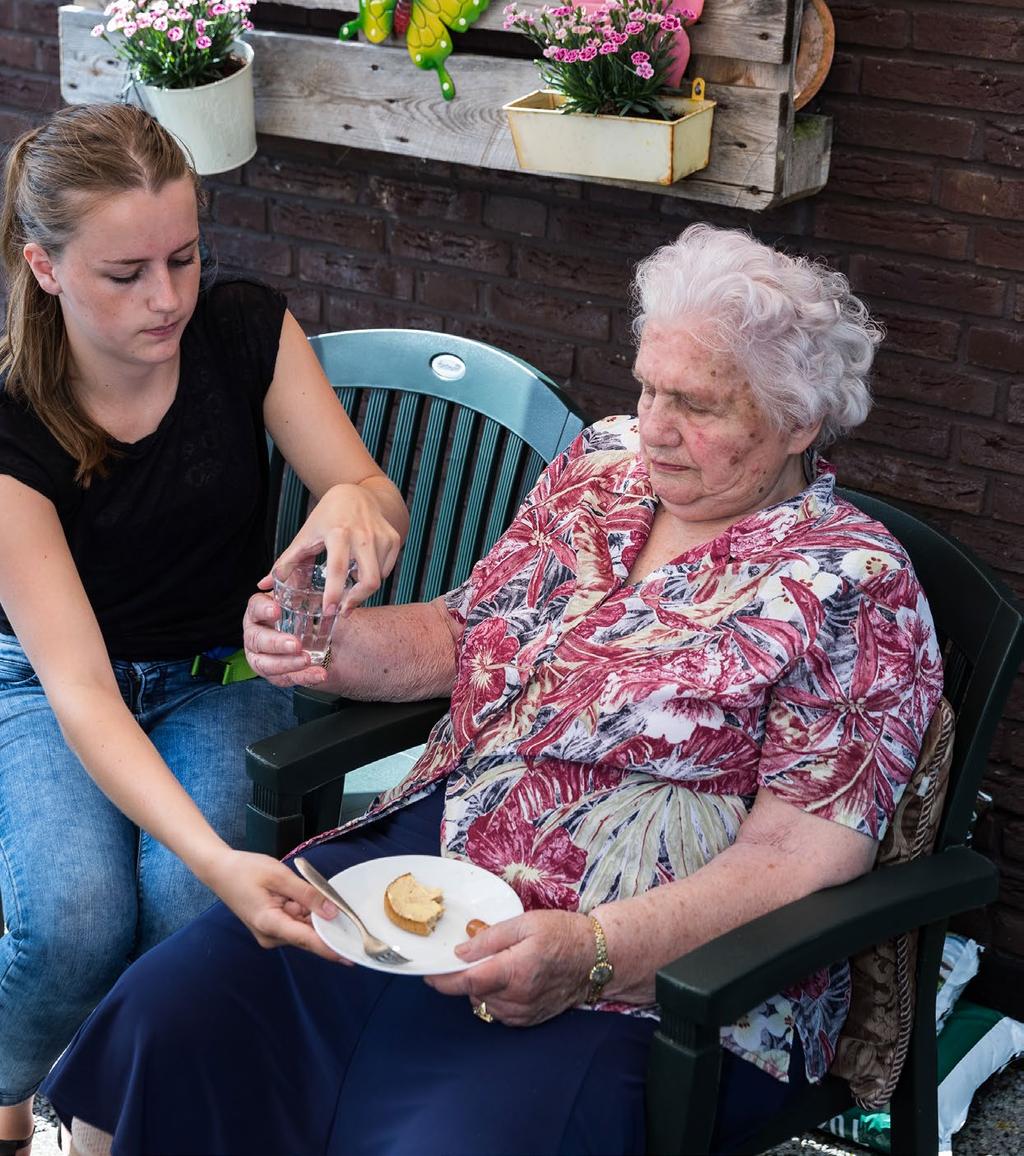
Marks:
<point>712,455</point>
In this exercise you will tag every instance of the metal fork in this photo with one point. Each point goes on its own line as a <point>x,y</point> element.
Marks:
<point>375,948</point>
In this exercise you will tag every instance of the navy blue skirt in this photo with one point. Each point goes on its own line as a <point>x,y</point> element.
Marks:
<point>210,1045</point>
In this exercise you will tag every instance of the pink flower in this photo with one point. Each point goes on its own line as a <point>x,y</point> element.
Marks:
<point>552,51</point>
<point>174,33</point>
<point>200,27</point>
<point>608,48</point>
<point>540,866</point>
<point>217,9</point>
<point>644,71</point>
<point>633,27</point>
<point>203,42</point>
<point>97,30</point>
<point>130,29</point>
<point>671,24</point>
<point>588,53</point>
<point>247,25</point>
<point>486,653</point>
<point>620,38</point>
<point>639,58</point>
<point>160,24</point>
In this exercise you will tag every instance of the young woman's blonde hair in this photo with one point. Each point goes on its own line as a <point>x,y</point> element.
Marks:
<point>54,176</point>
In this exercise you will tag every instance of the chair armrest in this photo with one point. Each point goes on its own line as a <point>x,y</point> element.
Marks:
<point>721,980</point>
<point>309,756</point>
<point>309,704</point>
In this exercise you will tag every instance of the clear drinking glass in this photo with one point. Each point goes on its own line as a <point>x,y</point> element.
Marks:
<point>301,598</point>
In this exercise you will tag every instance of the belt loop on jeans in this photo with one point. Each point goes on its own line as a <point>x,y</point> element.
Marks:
<point>222,664</point>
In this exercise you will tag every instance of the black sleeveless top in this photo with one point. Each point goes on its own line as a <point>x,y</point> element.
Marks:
<point>171,543</point>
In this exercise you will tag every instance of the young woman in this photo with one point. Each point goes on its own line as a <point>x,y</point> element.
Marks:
<point>134,410</point>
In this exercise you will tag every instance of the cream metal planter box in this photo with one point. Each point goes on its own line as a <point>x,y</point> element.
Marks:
<point>616,147</point>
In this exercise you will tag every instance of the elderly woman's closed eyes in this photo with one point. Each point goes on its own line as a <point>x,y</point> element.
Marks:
<point>687,686</point>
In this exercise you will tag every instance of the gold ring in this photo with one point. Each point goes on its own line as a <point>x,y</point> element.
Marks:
<point>481,1013</point>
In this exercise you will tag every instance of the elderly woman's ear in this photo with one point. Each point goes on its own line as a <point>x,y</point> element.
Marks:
<point>804,437</point>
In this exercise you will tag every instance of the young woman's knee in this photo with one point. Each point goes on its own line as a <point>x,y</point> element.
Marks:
<point>81,954</point>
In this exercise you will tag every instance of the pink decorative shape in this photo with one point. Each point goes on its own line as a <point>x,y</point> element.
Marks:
<point>688,12</point>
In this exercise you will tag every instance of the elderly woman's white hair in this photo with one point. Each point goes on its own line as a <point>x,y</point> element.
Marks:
<point>805,341</point>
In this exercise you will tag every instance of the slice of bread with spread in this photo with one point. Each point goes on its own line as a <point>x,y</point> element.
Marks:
<point>412,906</point>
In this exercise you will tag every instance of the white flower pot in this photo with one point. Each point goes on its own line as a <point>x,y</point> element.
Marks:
<point>215,122</point>
<point>617,147</point>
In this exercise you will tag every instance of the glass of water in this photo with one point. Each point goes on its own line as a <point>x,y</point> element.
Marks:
<point>301,599</point>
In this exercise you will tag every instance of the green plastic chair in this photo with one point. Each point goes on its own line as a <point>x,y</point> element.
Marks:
<point>982,633</point>
<point>981,630</point>
<point>463,430</point>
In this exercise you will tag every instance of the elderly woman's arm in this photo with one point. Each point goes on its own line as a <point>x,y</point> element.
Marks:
<point>541,959</point>
<point>380,654</point>
<point>781,854</point>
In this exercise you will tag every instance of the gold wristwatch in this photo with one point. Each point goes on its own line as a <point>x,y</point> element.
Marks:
<point>602,971</point>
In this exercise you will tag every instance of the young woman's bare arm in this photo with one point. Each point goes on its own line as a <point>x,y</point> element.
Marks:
<point>43,597</point>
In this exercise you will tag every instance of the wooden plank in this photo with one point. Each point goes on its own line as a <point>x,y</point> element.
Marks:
<point>807,160</point>
<point>372,98</point>
<point>747,29</point>
<point>749,73</point>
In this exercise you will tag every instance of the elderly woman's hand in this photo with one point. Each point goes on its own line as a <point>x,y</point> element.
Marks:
<point>278,657</point>
<point>349,523</point>
<point>538,967</point>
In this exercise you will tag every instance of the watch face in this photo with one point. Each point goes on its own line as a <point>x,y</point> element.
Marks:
<point>601,973</point>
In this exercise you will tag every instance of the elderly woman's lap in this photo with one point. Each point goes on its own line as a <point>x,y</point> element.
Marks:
<point>211,1044</point>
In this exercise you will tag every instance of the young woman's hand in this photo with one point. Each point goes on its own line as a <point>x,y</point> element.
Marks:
<point>349,523</point>
<point>271,900</point>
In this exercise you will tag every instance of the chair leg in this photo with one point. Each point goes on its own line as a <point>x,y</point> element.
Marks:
<point>682,1092</point>
<point>914,1108</point>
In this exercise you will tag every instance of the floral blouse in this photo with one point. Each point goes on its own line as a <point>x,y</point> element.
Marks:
<point>606,737</point>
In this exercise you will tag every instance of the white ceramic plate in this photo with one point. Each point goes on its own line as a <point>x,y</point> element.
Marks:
<point>470,892</point>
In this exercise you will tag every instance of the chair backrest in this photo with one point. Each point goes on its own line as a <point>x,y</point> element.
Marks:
<point>981,631</point>
<point>461,428</point>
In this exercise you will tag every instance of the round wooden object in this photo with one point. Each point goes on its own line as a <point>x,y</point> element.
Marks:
<point>814,54</point>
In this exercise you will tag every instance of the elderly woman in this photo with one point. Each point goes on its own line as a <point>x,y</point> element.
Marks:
<point>688,686</point>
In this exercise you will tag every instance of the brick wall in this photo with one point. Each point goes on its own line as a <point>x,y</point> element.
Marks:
<point>924,211</point>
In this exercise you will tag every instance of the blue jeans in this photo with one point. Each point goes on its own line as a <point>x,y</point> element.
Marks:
<point>84,890</point>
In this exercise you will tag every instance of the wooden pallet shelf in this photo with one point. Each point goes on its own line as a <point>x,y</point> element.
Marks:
<point>371,97</point>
